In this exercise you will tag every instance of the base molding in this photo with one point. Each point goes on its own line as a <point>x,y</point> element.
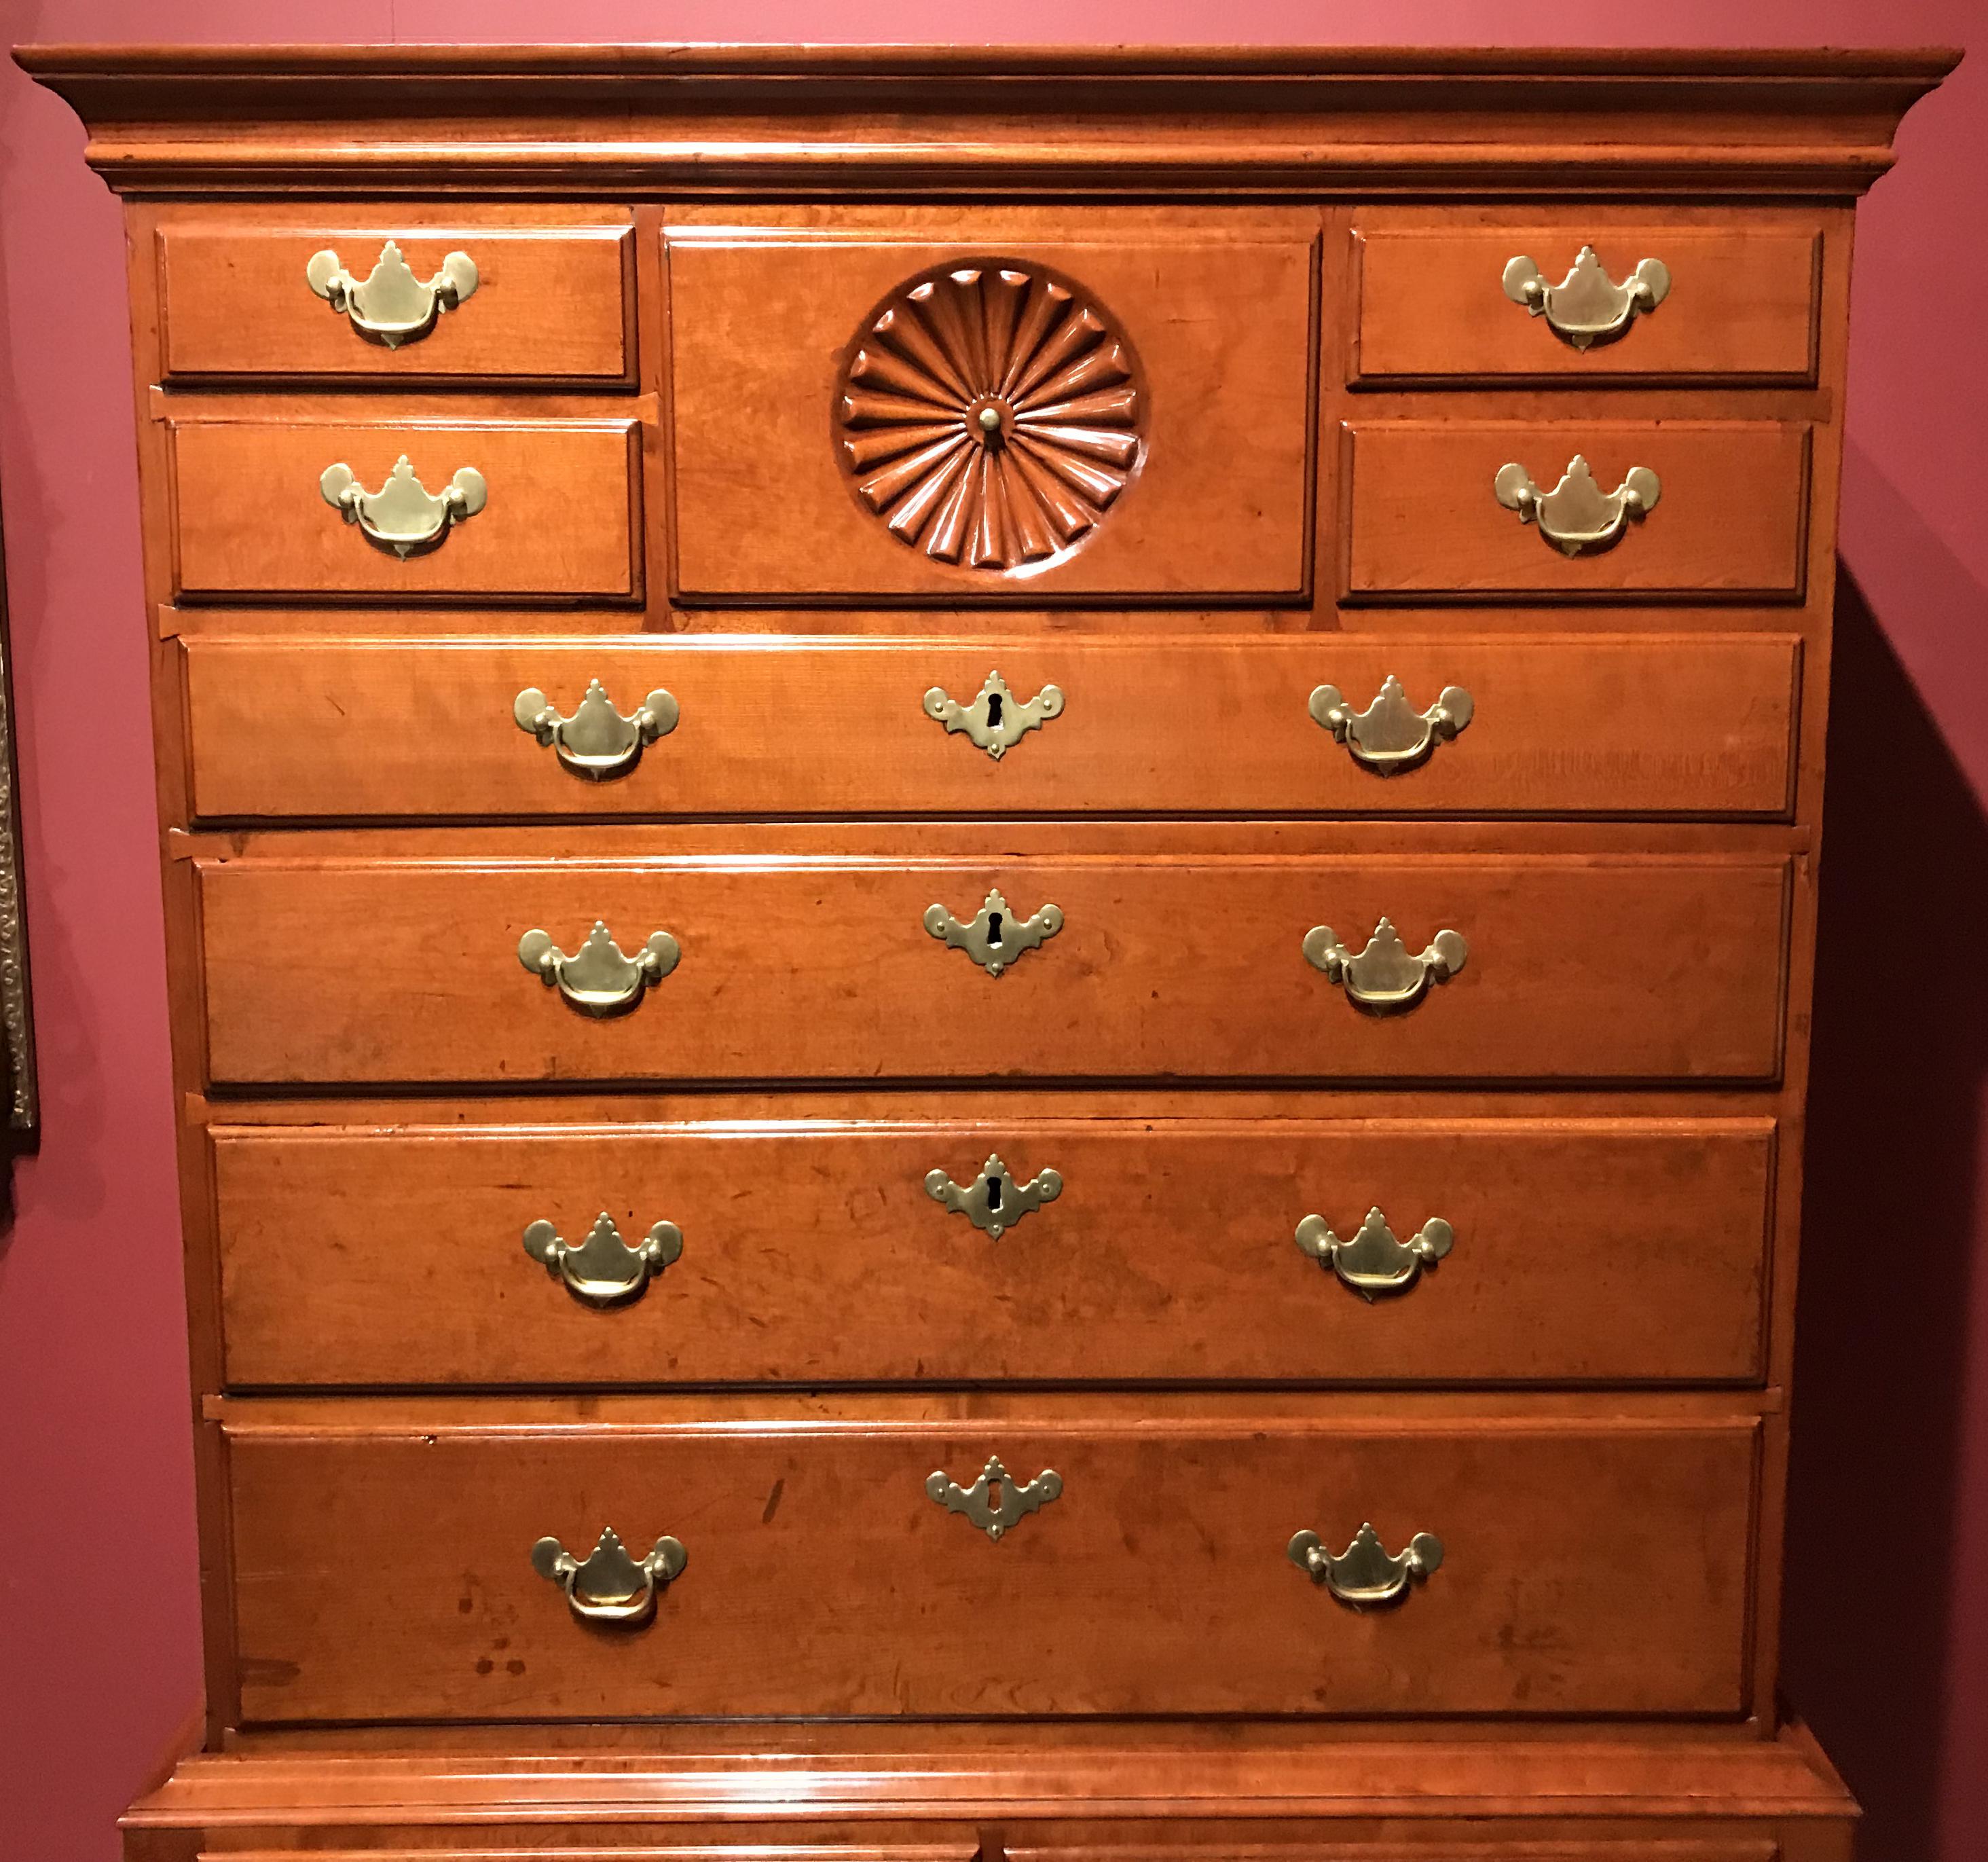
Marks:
<point>1049,1793</point>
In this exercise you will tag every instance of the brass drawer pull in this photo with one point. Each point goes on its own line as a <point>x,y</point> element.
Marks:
<point>390,304</point>
<point>994,937</point>
<point>1384,978</point>
<point>996,720</point>
<point>607,1585</point>
<point>1391,736</point>
<point>997,1500</point>
<point>603,1270</point>
<point>403,515</point>
<point>597,980</point>
<point>1373,1262</point>
<point>597,742</point>
<point>1587,306</point>
<point>1578,515</point>
<point>1364,1575</point>
<point>994,1202</point>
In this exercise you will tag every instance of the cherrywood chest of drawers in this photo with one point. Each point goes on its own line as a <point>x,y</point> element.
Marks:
<point>992,881</point>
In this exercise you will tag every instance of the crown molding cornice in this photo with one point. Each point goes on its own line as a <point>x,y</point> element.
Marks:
<point>709,121</point>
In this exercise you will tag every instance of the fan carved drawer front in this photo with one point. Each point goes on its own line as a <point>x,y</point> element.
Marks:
<point>1282,966</point>
<point>1698,725</point>
<point>1591,298</point>
<point>407,510</point>
<point>377,294</point>
<point>1031,1246</point>
<point>1019,1561</point>
<point>1124,410</point>
<point>1575,510</point>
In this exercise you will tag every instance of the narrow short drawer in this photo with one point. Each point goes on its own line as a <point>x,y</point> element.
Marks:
<point>915,966</point>
<point>403,299</point>
<point>1687,724</point>
<point>1119,411</point>
<point>1575,510</point>
<point>433,509</point>
<point>1650,298</point>
<point>1038,1248</point>
<point>1568,1562</point>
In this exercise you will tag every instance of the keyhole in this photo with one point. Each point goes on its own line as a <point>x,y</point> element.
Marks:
<point>993,711</point>
<point>994,929</point>
<point>993,1195</point>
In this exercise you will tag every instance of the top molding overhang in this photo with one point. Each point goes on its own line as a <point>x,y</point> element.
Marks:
<point>714,121</point>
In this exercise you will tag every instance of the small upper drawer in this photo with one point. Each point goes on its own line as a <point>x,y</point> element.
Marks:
<point>1571,302</point>
<point>413,510</point>
<point>419,299</point>
<point>1575,510</point>
<point>1102,415</point>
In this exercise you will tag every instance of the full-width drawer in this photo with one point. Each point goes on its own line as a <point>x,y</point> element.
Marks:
<point>1575,510</point>
<point>1690,725</point>
<point>1568,301</point>
<point>384,1561</point>
<point>1124,410</point>
<point>550,509</point>
<point>914,966</point>
<point>474,295</point>
<point>1037,1248</point>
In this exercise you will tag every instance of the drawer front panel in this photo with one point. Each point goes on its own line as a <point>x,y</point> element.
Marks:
<point>561,518</point>
<point>1589,1249</point>
<point>1694,725</point>
<point>1210,333</point>
<point>385,1573</point>
<point>1577,967</point>
<point>1424,520</point>
<point>550,304</point>
<point>1739,304</point>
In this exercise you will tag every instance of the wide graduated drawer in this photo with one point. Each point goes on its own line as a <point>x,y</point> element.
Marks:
<point>383,1561</point>
<point>1697,724</point>
<point>244,292</point>
<point>558,516</point>
<point>1425,517</point>
<point>1146,383</point>
<point>1035,1247</point>
<point>1619,300</point>
<point>764,966</point>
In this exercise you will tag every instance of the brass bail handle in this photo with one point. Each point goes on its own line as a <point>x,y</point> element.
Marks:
<point>391,306</point>
<point>603,1270</point>
<point>1365,1576</point>
<point>597,743</point>
<point>609,1588</point>
<point>599,980</point>
<point>1385,978</point>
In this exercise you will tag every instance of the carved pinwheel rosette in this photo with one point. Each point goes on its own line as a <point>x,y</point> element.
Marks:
<point>990,414</point>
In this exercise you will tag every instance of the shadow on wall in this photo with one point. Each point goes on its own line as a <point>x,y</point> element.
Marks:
<point>1892,1206</point>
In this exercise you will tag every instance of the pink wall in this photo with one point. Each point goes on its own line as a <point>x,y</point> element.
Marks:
<point>1887,1647</point>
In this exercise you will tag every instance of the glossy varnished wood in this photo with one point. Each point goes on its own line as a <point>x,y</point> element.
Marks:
<point>387,970</point>
<point>553,303</point>
<point>1737,160</point>
<point>1218,312</point>
<point>1615,1250</point>
<point>1592,1565</point>
<point>1684,726</point>
<point>563,519</point>
<point>1741,305</point>
<point>1422,521</point>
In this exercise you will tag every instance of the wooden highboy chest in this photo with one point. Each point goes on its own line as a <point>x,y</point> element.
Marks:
<point>990,880</point>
